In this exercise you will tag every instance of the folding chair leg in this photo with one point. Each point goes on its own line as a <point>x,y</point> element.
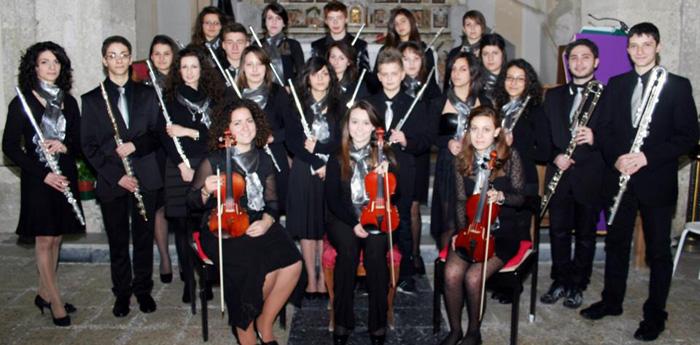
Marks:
<point>514,314</point>
<point>438,283</point>
<point>203,299</point>
<point>533,290</point>
<point>679,250</point>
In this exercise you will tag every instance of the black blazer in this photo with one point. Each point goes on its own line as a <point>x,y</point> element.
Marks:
<point>418,137</point>
<point>319,48</point>
<point>279,103</point>
<point>584,177</point>
<point>673,132</point>
<point>97,138</point>
<point>292,58</point>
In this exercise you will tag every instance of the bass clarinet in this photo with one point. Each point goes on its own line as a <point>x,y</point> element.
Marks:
<point>50,159</point>
<point>657,79</point>
<point>594,88</point>
<point>125,160</point>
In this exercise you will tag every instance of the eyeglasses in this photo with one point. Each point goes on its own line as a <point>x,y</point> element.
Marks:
<point>115,56</point>
<point>515,79</point>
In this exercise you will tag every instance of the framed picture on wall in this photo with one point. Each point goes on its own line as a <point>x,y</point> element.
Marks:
<point>441,17</point>
<point>297,17</point>
<point>314,17</point>
<point>422,17</point>
<point>379,17</point>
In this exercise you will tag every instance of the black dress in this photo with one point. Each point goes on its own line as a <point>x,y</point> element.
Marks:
<point>277,106</point>
<point>506,233</point>
<point>246,260</point>
<point>43,210</point>
<point>305,202</point>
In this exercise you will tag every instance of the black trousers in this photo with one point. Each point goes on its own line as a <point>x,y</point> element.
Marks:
<point>348,248</point>
<point>403,238</point>
<point>656,222</point>
<point>116,215</point>
<point>567,214</point>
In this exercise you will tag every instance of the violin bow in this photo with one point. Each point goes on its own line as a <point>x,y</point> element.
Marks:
<point>219,211</point>
<point>486,261</point>
<point>388,217</point>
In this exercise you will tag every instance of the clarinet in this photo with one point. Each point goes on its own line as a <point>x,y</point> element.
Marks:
<point>168,121</point>
<point>125,160</point>
<point>50,159</point>
<point>643,113</point>
<point>596,88</point>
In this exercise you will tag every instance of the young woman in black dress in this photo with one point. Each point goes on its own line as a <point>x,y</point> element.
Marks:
<point>207,27</point>
<point>493,57</point>
<point>415,65</point>
<point>45,79</point>
<point>402,27</point>
<point>319,96</point>
<point>257,284</point>
<point>462,276</point>
<point>161,54</point>
<point>473,28</point>
<point>285,53</point>
<point>346,195</point>
<point>453,111</point>
<point>192,90</point>
<point>341,56</point>
<point>256,84</point>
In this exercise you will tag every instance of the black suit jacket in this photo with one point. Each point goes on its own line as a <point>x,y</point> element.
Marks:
<point>673,132</point>
<point>584,177</point>
<point>97,138</point>
<point>417,132</point>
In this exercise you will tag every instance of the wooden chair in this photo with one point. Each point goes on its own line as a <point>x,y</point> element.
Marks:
<point>511,276</point>
<point>328,263</point>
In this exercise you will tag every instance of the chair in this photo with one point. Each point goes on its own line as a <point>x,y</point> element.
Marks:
<point>511,276</point>
<point>693,227</point>
<point>328,263</point>
<point>207,271</point>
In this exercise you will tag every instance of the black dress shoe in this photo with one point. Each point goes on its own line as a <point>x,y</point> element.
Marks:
<point>146,303</point>
<point>648,330</point>
<point>166,278</point>
<point>574,298</point>
<point>452,339</point>
<point>471,338</point>
<point>419,265</point>
<point>61,321</point>
<point>555,292</point>
<point>600,310</point>
<point>340,339</point>
<point>377,339</point>
<point>121,307</point>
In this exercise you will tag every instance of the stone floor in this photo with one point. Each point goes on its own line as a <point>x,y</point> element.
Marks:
<point>87,286</point>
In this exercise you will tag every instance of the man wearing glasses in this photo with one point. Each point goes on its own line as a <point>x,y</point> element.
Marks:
<point>135,112</point>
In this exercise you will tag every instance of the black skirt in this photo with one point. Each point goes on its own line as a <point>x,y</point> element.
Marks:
<point>305,203</point>
<point>420,192</point>
<point>442,208</point>
<point>246,262</point>
<point>45,211</point>
<point>175,189</point>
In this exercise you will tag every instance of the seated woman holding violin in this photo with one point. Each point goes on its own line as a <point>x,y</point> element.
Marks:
<point>256,284</point>
<point>490,185</point>
<point>358,189</point>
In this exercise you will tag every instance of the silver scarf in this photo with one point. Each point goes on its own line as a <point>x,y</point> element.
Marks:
<point>259,95</point>
<point>319,126</point>
<point>412,85</point>
<point>481,161</point>
<point>248,162</point>
<point>53,122</point>
<point>213,44</point>
<point>490,84</point>
<point>272,49</point>
<point>160,79</point>
<point>464,109</point>
<point>359,170</point>
<point>200,107</point>
<point>509,110</point>
<point>470,48</point>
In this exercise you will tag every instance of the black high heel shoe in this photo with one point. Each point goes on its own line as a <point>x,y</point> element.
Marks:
<point>166,278</point>
<point>61,321</point>
<point>340,339</point>
<point>42,303</point>
<point>377,339</point>
<point>259,335</point>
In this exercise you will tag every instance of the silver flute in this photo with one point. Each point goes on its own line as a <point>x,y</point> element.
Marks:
<point>304,124</point>
<point>125,160</point>
<point>272,67</point>
<point>419,95</point>
<point>594,88</point>
<point>50,159</point>
<point>656,82</point>
<point>168,121</point>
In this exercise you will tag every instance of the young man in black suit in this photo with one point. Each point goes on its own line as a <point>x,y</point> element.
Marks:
<point>577,201</point>
<point>653,186</point>
<point>335,16</point>
<point>135,111</point>
<point>407,142</point>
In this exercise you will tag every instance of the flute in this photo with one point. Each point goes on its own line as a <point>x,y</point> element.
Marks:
<point>50,159</point>
<point>125,160</point>
<point>357,88</point>
<point>229,82</point>
<point>415,101</point>
<point>304,124</point>
<point>435,38</point>
<point>168,121</point>
<point>274,71</point>
<point>357,35</point>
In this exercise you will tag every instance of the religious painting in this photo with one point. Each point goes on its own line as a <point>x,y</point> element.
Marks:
<point>385,1</point>
<point>379,17</point>
<point>440,17</point>
<point>300,0</point>
<point>297,19</point>
<point>314,18</point>
<point>356,14</point>
<point>422,18</point>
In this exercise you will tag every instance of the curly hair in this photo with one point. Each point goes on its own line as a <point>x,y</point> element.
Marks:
<point>465,159</point>
<point>222,119</point>
<point>313,66</point>
<point>392,37</point>
<point>198,37</point>
<point>27,77</point>
<point>209,83</point>
<point>533,88</point>
<point>346,140</point>
<point>163,39</point>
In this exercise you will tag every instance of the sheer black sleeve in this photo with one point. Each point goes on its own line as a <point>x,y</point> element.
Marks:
<point>515,193</point>
<point>461,197</point>
<point>194,194</point>
<point>270,196</point>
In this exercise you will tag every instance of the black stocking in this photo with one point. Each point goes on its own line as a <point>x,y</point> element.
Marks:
<point>472,284</point>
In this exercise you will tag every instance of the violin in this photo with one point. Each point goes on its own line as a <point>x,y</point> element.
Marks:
<point>379,215</point>
<point>475,243</point>
<point>234,218</point>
